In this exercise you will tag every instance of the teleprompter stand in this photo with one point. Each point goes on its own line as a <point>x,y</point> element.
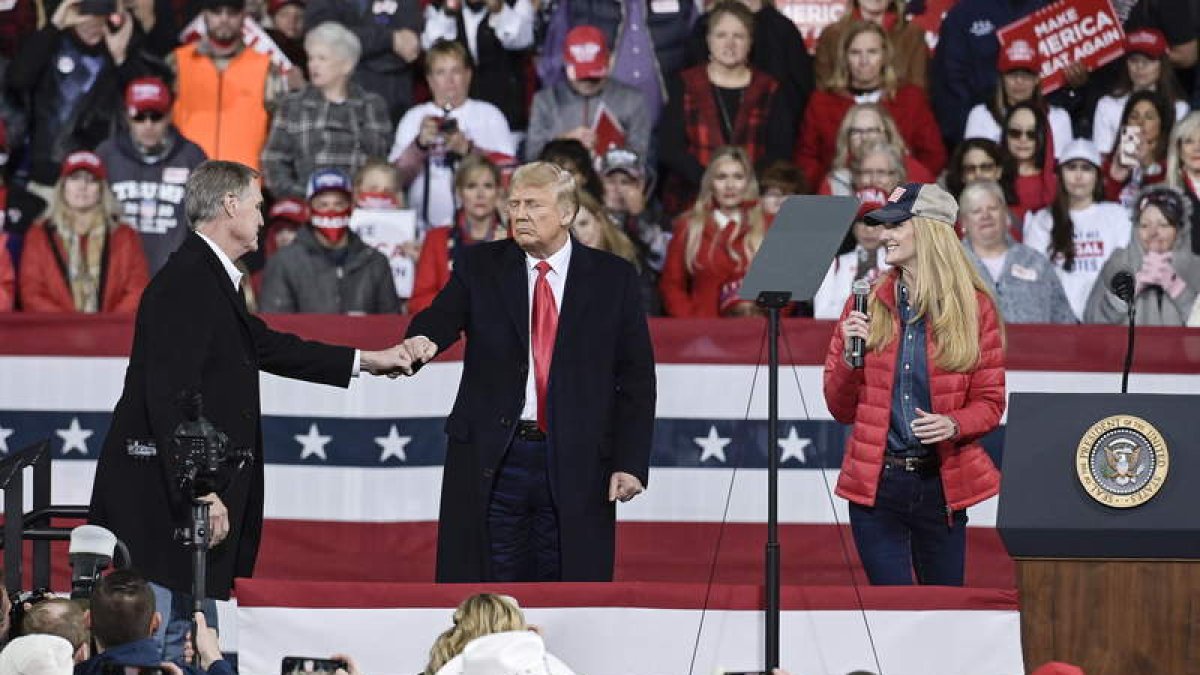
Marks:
<point>790,266</point>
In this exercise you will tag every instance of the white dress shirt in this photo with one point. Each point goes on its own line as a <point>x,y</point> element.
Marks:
<point>235,277</point>
<point>560,262</point>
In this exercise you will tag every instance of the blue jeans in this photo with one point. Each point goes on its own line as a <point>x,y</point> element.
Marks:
<point>908,530</point>
<point>176,624</point>
<point>522,521</point>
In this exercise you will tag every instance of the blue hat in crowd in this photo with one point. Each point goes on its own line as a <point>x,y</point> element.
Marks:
<point>324,180</point>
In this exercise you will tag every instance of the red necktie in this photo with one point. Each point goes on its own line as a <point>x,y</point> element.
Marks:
<point>544,326</point>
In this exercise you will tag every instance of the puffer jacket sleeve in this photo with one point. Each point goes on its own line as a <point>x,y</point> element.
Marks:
<point>842,383</point>
<point>985,385</point>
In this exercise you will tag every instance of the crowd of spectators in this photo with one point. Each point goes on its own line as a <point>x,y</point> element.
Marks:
<point>686,123</point>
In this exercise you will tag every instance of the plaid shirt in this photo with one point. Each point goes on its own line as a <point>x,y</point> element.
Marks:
<point>308,133</point>
<point>703,119</point>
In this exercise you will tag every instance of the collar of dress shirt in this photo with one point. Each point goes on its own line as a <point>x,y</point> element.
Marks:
<point>235,275</point>
<point>723,219</point>
<point>559,261</point>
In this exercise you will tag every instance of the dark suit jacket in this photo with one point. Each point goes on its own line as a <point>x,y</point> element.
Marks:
<point>193,332</point>
<point>601,407</point>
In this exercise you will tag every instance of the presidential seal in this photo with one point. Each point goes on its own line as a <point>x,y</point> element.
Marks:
<point>1122,461</point>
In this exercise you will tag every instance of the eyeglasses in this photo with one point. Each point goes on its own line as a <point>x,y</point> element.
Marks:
<point>148,116</point>
<point>1018,134</point>
<point>863,131</point>
<point>875,173</point>
<point>976,168</point>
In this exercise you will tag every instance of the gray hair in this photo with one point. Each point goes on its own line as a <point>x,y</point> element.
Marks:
<point>208,185</point>
<point>882,148</point>
<point>547,174</point>
<point>1187,127</point>
<point>338,38</point>
<point>980,188</point>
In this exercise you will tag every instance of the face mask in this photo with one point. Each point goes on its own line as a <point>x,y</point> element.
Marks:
<point>377,200</point>
<point>333,225</point>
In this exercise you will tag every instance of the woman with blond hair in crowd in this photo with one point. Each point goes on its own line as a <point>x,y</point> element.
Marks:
<point>931,383</point>
<point>477,188</point>
<point>910,54</point>
<point>863,73</point>
<point>1183,166</point>
<point>593,228</point>
<point>79,258</point>
<point>1165,271</point>
<point>715,241</point>
<point>866,124</point>
<point>479,615</point>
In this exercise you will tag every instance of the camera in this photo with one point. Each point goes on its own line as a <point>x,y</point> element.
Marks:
<point>22,602</point>
<point>447,125</point>
<point>200,449</point>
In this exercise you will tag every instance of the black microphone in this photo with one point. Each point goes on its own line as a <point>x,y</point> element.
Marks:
<point>1122,286</point>
<point>861,288</point>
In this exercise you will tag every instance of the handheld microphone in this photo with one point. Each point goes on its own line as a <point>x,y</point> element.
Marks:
<point>1122,286</point>
<point>858,346</point>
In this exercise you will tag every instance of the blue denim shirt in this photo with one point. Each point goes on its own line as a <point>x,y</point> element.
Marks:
<point>910,390</point>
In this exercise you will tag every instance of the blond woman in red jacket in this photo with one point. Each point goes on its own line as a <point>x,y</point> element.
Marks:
<point>80,259</point>
<point>931,384</point>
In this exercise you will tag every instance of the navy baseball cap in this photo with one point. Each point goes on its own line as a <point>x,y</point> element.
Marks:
<point>910,200</point>
<point>324,180</point>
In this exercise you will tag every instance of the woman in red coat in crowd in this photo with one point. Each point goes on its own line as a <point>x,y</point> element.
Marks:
<point>1027,143</point>
<point>80,259</point>
<point>715,241</point>
<point>930,384</point>
<point>477,189</point>
<point>864,74</point>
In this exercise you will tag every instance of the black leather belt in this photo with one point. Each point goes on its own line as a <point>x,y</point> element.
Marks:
<point>927,464</point>
<point>528,431</point>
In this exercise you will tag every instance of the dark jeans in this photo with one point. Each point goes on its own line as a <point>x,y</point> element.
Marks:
<point>522,521</point>
<point>907,530</point>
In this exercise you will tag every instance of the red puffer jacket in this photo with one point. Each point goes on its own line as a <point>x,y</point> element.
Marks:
<point>864,397</point>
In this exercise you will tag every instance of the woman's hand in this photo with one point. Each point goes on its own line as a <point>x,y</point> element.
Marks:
<point>856,324</point>
<point>931,428</point>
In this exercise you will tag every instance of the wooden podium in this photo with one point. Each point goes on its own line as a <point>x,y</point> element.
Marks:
<point>1112,589</point>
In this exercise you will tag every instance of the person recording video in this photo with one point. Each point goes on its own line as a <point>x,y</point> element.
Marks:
<point>916,364</point>
<point>193,337</point>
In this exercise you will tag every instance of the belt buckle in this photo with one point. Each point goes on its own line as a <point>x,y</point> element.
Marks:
<point>912,464</point>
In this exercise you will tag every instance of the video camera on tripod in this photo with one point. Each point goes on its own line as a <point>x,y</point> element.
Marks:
<point>200,450</point>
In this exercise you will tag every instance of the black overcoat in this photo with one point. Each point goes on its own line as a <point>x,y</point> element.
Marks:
<point>193,333</point>
<point>601,407</point>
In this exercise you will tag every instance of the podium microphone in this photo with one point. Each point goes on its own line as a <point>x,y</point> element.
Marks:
<point>861,288</point>
<point>1123,286</point>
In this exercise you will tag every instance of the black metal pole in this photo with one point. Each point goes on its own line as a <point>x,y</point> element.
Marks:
<point>199,544</point>
<point>1128,352</point>
<point>773,302</point>
<point>772,552</point>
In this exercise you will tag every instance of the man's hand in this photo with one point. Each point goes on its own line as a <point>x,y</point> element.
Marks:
<point>207,642</point>
<point>420,349</point>
<point>351,667</point>
<point>1077,74</point>
<point>67,15</point>
<point>623,486</point>
<point>218,519</point>
<point>458,143</point>
<point>391,361</point>
<point>118,42</point>
<point>429,131</point>
<point>406,44</point>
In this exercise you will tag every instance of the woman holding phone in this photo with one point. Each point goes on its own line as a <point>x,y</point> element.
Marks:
<point>1139,157</point>
<point>931,384</point>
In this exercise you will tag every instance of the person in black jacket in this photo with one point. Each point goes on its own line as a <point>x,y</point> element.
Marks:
<point>148,163</point>
<point>541,448</point>
<point>193,336</point>
<point>70,75</point>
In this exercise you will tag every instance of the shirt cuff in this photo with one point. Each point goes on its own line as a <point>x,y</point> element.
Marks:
<point>356,367</point>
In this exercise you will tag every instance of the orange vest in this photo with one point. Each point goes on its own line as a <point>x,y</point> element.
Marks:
<point>223,112</point>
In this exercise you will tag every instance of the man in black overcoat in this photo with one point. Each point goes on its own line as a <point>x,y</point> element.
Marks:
<point>194,334</point>
<point>548,432</point>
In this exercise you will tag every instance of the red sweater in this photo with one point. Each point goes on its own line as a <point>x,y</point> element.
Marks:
<point>975,400</point>
<point>44,286</point>
<point>909,107</point>
<point>698,294</point>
